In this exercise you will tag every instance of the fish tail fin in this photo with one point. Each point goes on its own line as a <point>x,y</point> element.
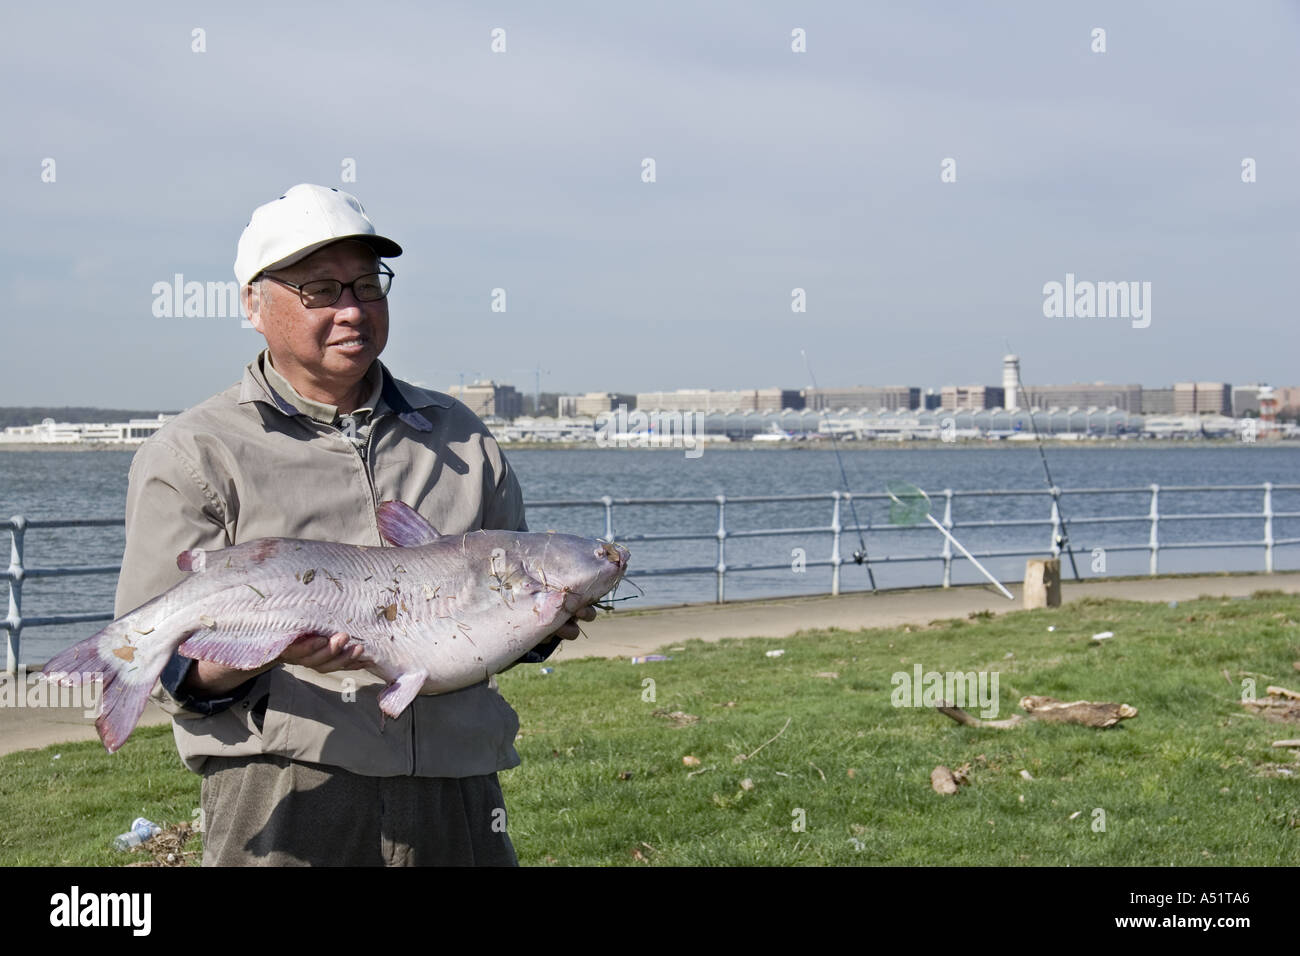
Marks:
<point>127,668</point>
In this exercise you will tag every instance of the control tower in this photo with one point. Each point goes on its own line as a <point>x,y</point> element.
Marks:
<point>1011,381</point>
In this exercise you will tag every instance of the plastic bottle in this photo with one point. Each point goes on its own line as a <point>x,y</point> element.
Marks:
<point>146,828</point>
<point>141,830</point>
<point>127,840</point>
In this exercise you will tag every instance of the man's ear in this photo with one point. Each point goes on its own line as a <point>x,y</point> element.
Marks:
<point>252,294</point>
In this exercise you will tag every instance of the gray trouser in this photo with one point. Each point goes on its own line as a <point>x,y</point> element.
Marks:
<point>272,811</point>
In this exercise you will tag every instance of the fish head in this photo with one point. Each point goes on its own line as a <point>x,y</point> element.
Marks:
<point>586,569</point>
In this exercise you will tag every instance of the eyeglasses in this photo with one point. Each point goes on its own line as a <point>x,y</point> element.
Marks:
<point>320,293</point>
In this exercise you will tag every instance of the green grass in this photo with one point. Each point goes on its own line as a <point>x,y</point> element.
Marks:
<point>1191,780</point>
<point>66,811</point>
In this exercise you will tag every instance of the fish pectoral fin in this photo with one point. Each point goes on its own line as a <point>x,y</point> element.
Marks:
<point>403,527</point>
<point>549,607</point>
<point>242,651</point>
<point>401,692</point>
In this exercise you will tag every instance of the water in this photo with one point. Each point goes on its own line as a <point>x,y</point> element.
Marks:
<point>93,484</point>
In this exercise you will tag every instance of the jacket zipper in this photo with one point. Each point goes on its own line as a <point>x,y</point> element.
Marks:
<point>365,462</point>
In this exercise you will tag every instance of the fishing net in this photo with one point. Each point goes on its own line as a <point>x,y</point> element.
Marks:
<point>908,503</point>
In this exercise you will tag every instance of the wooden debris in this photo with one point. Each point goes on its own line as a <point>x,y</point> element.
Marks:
<point>944,781</point>
<point>959,715</point>
<point>678,717</point>
<point>743,757</point>
<point>1085,712</point>
<point>1281,705</point>
<point>1269,703</point>
<point>1286,743</point>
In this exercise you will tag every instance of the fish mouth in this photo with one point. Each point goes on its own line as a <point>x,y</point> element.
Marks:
<point>613,553</point>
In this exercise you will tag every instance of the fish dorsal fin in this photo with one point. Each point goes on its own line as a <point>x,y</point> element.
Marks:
<point>402,526</point>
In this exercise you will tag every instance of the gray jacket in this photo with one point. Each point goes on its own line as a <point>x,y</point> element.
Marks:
<point>246,464</point>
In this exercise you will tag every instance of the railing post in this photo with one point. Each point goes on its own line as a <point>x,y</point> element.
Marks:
<point>608,502</point>
<point>835,543</point>
<point>1056,522</point>
<point>1154,544</point>
<point>722,548</point>
<point>947,545</point>
<point>1268,527</point>
<point>14,619</point>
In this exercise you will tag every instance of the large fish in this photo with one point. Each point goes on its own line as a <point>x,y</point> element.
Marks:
<point>434,612</point>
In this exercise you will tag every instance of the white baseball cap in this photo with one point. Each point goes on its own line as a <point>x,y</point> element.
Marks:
<point>294,226</point>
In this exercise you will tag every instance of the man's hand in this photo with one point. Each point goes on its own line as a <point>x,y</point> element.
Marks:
<point>569,630</point>
<point>321,653</point>
<point>325,654</point>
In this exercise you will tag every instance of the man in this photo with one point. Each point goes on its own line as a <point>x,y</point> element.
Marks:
<point>296,767</point>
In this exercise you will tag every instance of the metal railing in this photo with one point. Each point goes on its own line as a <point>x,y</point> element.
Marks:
<point>17,572</point>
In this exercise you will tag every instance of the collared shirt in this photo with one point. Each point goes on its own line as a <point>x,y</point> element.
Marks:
<point>354,425</point>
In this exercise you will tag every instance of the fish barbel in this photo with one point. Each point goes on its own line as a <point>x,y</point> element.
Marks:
<point>435,613</point>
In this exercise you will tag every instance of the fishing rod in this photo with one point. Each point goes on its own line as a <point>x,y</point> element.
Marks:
<point>1063,536</point>
<point>860,555</point>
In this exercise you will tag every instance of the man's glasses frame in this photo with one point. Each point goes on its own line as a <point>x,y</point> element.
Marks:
<point>320,290</point>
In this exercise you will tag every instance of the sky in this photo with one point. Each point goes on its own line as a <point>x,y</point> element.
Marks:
<point>774,170</point>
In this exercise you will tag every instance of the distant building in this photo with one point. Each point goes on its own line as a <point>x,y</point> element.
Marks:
<point>708,400</point>
<point>1245,400</point>
<point>1157,401</point>
<point>958,397</point>
<point>872,397</point>
<point>778,399</point>
<point>560,429</point>
<point>50,432</point>
<point>1214,397</point>
<point>1126,397</point>
<point>1199,398</point>
<point>1288,399</point>
<point>490,400</point>
<point>593,403</point>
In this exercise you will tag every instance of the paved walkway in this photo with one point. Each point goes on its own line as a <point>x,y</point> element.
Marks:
<point>636,633</point>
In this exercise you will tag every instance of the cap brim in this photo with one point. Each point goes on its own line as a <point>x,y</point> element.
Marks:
<point>384,247</point>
